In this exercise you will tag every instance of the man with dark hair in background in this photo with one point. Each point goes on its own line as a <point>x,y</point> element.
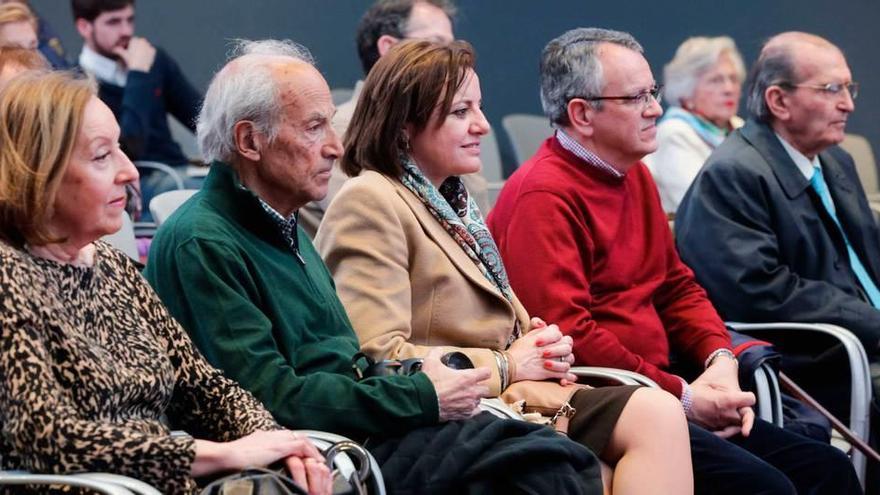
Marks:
<point>139,82</point>
<point>382,26</point>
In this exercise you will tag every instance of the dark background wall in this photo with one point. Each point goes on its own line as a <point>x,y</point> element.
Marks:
<point>508,36</point>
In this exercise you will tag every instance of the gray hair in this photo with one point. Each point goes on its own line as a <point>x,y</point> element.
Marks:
<point>777,65</point>
<point>695,57</point>
<point>244,89</point>
<point>570,68</point>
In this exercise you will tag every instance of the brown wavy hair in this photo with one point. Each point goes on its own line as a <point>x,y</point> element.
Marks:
<point>403,88</point>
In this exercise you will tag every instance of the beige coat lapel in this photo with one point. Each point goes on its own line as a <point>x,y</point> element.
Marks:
<point>455,253</point>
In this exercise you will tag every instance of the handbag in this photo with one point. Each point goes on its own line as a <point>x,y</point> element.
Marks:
<point>275,481</point>
<point>549,399</point>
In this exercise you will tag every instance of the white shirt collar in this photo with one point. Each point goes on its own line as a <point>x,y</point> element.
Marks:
<point>804,164</point>
<point>102,68</point>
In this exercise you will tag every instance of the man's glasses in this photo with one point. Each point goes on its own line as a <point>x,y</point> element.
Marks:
<point>831,89</point>
<point>643,98</point>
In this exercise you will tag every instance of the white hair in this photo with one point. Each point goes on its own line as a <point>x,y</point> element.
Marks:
<point>244,89</point>
<point>694,58</point>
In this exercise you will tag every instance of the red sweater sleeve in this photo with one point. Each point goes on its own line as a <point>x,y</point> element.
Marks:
<point>551,276</point>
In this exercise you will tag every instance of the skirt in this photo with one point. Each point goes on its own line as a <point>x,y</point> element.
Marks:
<point>598,410</point>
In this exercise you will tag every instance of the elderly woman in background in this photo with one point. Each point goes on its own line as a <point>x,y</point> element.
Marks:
<point>93,370</point>
<point>416,267</point>
<point>702,85</point>
<point>18,26</point>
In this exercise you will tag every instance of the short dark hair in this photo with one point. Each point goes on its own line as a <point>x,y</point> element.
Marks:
<point>404,88</point>
<point>389,17</point>
<point>90,9</point>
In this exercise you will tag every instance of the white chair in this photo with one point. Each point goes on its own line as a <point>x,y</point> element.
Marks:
<point>124,239</point>
<point>323,440</point>
<point>866,166</point>
<point>526,133</point>
<point>109,484</point>
<point>492,169</point>
<point>860,377</point>
<point>163,205</point>
<point>341,95</point>
<point>183,136</point>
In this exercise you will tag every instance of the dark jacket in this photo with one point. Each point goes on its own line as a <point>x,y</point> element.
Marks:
<point>142,107</point>
<point>761,243</point>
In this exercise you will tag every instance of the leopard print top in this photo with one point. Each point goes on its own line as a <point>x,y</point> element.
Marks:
<point>94,372</point>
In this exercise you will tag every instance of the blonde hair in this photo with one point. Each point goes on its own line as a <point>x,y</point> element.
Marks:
<point>40,118</point>
<point>25,58</point>
<point>17,12</point>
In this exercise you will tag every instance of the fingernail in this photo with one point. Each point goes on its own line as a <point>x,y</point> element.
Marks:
<point>545,354</point>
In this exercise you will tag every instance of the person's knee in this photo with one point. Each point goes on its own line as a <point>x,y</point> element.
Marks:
<point>659,407</point>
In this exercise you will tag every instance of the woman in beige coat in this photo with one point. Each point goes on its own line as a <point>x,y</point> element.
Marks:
<point>417,269</point>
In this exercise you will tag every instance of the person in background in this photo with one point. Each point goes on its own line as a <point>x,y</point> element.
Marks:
<point>142,85</point>
<point>94,372</point>
<point>417,269</point>
<point>48,42</point>
<point>385,24</point>
<point>587,245</point>
<point>702,85</point>
<point>18,26</point>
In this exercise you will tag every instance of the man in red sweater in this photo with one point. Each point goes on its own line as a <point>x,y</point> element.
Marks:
<point>586,243</point>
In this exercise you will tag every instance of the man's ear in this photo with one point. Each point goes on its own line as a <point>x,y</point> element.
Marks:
<point>580,116</point>
<point>777,102</point>
<point>84,28</point>
<point>247,142</point>
<point>384,43</point>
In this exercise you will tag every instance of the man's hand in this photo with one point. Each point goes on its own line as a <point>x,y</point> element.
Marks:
<point>139,55</point>
<point>459,391</point>
<point>718,402</point>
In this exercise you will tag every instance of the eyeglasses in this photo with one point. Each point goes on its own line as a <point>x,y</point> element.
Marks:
<point>643,98</point>
<point>831,89</point>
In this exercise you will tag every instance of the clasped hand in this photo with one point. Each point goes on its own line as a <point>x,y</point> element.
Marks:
<point>718,402</point>
<point>543,354</point>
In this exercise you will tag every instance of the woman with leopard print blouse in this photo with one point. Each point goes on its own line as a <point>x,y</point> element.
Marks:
<point>93,370</point>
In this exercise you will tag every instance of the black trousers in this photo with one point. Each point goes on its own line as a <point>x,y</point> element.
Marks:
<point>769,461</point>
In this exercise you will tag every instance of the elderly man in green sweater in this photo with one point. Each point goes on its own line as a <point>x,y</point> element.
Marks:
<point>233,267</point>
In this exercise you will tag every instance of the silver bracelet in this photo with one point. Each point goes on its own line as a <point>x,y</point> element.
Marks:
<point>503,365</point>
<point>719,352</point>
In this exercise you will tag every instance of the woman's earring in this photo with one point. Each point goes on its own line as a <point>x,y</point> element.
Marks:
<point>404,142</point>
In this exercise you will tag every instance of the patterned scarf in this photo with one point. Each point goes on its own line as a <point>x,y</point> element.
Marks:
<point>459,215</point>
<point>710,133</point>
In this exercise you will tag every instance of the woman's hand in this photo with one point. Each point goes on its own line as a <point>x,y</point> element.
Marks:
<point>542,354</point>
<point>261,448</point>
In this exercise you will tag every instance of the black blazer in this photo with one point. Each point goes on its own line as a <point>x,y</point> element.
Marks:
<point>761,243</point>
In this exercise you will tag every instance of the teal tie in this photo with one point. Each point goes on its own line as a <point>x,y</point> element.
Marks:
<point>818,183</point>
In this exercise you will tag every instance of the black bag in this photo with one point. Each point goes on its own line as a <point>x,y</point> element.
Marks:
<point>260,481</point>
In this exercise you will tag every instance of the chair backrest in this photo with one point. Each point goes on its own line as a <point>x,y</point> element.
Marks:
<point>185,138</point>
<point>526,133</point>
<point>492,170</point>
<point>163,205</point>
<point>124,239</point>
<point>866,166</point>
<point>341,95</point>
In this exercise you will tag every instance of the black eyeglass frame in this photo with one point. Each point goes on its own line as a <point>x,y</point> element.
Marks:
<point>655,92</point>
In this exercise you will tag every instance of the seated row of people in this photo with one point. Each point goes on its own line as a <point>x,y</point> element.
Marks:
<point>441,281</point>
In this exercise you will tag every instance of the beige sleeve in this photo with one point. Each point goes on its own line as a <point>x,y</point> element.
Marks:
<point>365,245</point>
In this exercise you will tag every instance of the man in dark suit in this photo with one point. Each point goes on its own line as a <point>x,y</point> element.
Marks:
<point>777,226</point>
